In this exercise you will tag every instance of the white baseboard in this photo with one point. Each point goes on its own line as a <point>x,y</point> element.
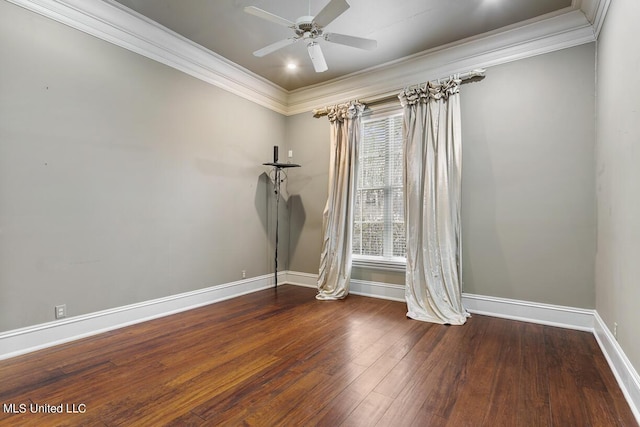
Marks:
<point>532,312</point>
<point>32,338</point>
<point>547,314</point>
<point>377,290</point>
<point>357,287</point>
<point>623,370</point>
<point>306,280</point>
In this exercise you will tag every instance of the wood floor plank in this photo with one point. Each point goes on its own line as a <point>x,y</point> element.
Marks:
<point>342,405</point>
<point>432,388</point>
<point>472,403</point>
<point>369,411</point>
<point>508,376</point>
<point>445,381</point>
<point>237,403</point>
<point>395,382</point>
<point>567,405</point>
<point>281,357</point>
<point>533,390</point>
<point>327,391</point>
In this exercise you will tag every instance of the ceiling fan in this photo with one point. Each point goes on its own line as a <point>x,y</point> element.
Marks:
<point>310,29</point>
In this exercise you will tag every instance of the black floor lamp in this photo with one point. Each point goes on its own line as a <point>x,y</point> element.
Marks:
<point>277,180</point>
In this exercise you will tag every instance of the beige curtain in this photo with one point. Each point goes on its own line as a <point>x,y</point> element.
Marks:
<point>335,260</point>
<point>432,173</point>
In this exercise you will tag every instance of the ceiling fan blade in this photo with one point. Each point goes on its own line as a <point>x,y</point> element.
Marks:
<point>352,41</point>
<point>330,12</point>
<point>252,10</point>
<point>319,64</point>
<point>274,46</point>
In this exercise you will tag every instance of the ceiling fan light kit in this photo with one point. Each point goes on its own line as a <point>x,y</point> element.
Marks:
<point>310,29</point>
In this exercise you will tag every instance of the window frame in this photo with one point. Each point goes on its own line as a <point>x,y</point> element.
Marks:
<point>388,263</point>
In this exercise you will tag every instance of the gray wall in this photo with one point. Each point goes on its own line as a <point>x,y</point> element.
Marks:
<point>618,175</point>
<point>528,209</point>
<point>308,186</point>
<point>121,179</point>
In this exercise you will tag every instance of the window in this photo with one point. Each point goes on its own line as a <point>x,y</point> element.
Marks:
<point>378,228</point>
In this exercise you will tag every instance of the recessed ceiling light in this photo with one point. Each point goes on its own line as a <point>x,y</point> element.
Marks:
<point>291,66</point>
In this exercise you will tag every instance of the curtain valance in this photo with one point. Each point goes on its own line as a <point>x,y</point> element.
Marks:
<point>430,90</point>
<point>341,112</point>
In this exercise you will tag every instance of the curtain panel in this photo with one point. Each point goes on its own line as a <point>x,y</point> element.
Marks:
<point>335,259</point>
<point>432,187</point>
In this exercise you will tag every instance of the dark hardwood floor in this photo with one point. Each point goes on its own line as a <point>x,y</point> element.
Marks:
<point>282,358</point>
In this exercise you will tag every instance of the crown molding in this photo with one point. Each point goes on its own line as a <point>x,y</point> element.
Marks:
<point>595,11</point>
<point>499,47</point>
<point>114,23</point>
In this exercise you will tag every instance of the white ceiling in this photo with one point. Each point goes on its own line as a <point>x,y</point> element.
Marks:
<point>402,28</point>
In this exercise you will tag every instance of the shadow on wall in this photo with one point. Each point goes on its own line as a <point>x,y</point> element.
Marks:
<point>297,218</point>
<point>299,183</point>
<point>263,209</point>
<point>292,218</point>
<point>265,204</point>
<point>263,188</point>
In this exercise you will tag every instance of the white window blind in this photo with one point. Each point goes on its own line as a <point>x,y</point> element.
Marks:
<point>378,229</point>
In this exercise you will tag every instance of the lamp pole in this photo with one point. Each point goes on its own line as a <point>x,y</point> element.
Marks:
<point>277,168</point>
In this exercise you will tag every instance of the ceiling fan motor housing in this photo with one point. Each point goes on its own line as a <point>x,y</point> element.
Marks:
<point>306,28</point>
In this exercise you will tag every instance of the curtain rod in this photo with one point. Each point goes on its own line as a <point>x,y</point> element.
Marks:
<point>319,112</point>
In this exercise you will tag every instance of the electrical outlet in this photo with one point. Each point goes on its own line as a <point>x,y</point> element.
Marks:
<point>615,330</point>
<point>61,311</point>
<point>244,274</point>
